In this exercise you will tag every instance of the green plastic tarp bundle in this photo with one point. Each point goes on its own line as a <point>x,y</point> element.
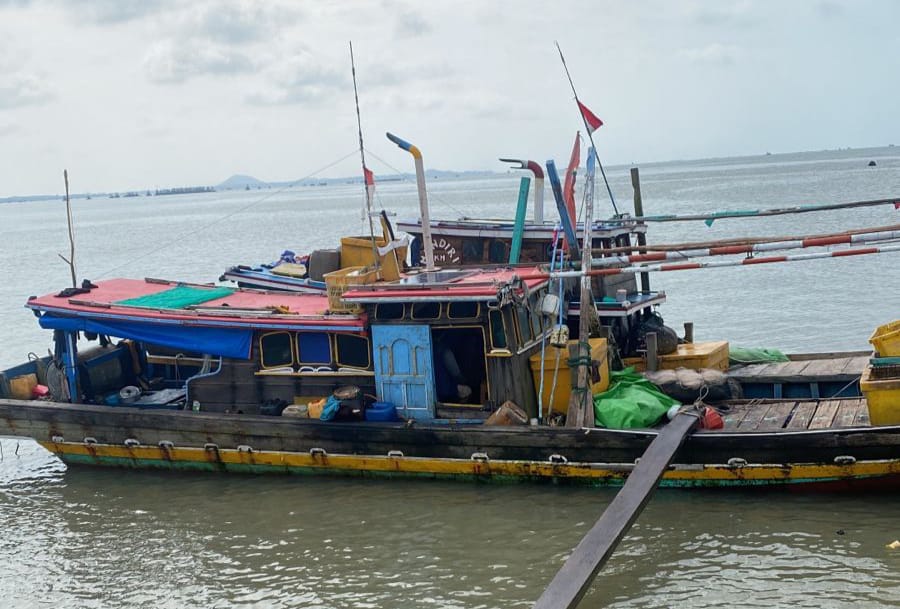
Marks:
<point>747,355</point>
<point>631,402</point>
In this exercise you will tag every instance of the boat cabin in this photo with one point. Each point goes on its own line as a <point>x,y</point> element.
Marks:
<point>451,344</point>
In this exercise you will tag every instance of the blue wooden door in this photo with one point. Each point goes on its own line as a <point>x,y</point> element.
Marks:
<point>404,373</point>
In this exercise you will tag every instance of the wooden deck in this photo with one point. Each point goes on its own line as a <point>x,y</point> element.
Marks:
<point>773,415</point>
<point>825,369</point>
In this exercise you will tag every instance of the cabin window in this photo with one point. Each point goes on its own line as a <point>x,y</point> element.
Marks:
<point>463,310</point>
<point>313,348</point>
<point>389,310</point>
<point>426,310</point>
<point>276,350</point>
<point>498,251</point>
<point>498,334</point>
<point>352,351</point>
<point>524,324</point>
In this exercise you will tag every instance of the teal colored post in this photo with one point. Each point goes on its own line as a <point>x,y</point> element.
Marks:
<point>519,228</point>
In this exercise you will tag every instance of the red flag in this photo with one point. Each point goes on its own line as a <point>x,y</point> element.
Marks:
<point>569,184</point>
<point>370,177</point>
<point>590,118</point>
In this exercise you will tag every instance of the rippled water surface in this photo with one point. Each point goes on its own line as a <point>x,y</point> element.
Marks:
<point>94,538</point>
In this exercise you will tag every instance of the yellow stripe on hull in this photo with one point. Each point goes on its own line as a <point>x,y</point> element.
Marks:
<point>317,461</point>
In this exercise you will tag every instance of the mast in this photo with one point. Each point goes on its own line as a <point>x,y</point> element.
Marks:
<point>589,130</point>
<point>367,175</point>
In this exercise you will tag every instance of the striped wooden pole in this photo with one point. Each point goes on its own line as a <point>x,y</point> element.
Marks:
<point>657,268</point>
<point>729,250</point>
<point>710,217</point>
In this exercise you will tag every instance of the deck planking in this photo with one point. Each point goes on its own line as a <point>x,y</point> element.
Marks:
<point>824,414</point>
<point>777,415</point>
<point>797,415</point>
<point>807,370</point>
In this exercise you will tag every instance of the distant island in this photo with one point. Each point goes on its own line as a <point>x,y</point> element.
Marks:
<point>247,182</point>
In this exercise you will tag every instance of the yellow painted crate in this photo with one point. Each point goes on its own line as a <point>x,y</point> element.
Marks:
<point>886,339</point>
<point>599,373</point>
<point>695,356</point>
<point>338,282</point>
<point>882,397</point>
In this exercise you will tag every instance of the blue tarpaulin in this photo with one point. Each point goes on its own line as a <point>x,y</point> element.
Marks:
<point>227,342</point>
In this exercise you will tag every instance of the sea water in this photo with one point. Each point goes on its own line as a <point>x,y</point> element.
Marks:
<point>84,537</point>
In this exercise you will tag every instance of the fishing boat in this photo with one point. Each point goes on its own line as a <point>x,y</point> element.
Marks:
<point>203,377</point>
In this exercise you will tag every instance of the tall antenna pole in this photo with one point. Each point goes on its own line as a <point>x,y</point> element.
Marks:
<point>587,128</point>
<point>71,259</point>
<point>362,156</point>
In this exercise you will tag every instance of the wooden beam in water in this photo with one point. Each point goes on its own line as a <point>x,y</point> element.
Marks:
<point>574,578</point>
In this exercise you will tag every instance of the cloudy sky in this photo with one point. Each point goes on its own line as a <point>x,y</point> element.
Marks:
<point>130,94</point>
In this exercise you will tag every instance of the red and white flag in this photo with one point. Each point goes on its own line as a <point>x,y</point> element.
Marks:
<point>590,119</point>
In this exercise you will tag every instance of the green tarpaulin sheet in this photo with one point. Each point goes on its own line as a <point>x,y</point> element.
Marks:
<point>631,402</point>
<point>745,355</point>
<point>177,298</point>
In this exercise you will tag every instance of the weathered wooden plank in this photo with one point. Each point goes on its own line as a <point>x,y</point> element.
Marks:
<point>862,414</point>
<point>856,365</point>
<point>777,415</point>
<point>825,367</point>
<point>754,415</point>
<point>846,413</point>
<point>574,578</point>
<point>802,415</point>
<point>824,414</point>
<point>733,417</point>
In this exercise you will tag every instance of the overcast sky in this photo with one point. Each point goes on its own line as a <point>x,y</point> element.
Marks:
<point>131,94</point>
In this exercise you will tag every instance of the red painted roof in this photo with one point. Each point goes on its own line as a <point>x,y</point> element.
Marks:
<point>244,307</point>
<point>464,284</point>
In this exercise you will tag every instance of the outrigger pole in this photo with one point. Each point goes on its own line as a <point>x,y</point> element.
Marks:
<point>741,241</point>
<point>587,128</point>
<point>728,250</point>
<point>709,218</point>
<point>367,175</point>
<point>684,266</point>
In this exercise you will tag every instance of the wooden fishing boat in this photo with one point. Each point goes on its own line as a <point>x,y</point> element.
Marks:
<point>193,377</point>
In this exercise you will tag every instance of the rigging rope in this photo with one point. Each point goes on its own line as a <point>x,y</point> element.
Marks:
<point>244,208</point>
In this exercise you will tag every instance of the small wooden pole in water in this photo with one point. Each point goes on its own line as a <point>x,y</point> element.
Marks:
<point>574,578</point>
<point>639,211</point>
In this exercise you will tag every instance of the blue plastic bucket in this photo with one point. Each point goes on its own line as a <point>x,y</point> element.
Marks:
<point>382,411</point>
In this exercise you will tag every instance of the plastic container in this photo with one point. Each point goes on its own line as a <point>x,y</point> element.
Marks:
<point>886,339</point>
<point>358,251</point>
<point>338,282</point>
<point>560,402</point>
<point>382,411</point>
<point>882,397</point>
<point>314,409</point>
<point>296,411</point>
